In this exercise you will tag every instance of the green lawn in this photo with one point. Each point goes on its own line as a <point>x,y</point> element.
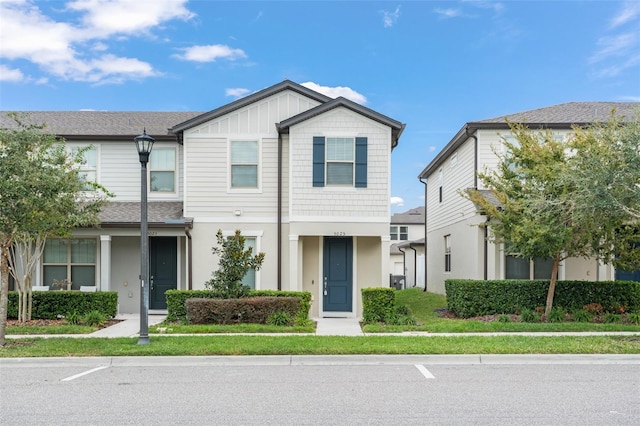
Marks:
<point>423,306</point>
<point>317,345</point>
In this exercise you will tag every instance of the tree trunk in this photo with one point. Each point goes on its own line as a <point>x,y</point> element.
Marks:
<point>4,291</point>
<point>552,286</point>
<point>29,288</point>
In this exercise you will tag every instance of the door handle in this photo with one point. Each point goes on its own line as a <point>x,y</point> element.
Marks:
<point>325,286</point>
<point>151,282</point>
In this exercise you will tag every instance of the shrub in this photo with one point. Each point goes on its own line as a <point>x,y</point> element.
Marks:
<point>72,318</point>
<point>469,298</point>
<point>611,318</point>
<point>378,304</point>
<point>280,318</point>
<point>527,315</point>
<point>94,319</point>
<point>56,304</point>
<point>634,318</point>
<point>504,318</point>
<point>177,311</point>
<point>582,315</point>
<point>247,310</point>
<point>593,308</point>
<point>556,315</point>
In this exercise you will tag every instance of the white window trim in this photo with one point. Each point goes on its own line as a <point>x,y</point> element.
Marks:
<point>160,194</point>
<point>250,234</point>
<point>73,146</point>
<point>232,190</point>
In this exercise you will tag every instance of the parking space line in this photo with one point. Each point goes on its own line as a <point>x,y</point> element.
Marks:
<point>93,370</point>
<point>426,373</point>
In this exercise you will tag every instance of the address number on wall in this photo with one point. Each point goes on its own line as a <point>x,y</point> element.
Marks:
<point>339,234</point>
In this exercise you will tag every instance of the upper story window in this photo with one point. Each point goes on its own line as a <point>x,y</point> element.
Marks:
<point>447,253</point>
<point>340,158</point>
<point>399,233</point>
<point>440,182</point>
<point>88,170</point>
<point>244,164</point>
<point>162,170</point>
<point>340,161</point>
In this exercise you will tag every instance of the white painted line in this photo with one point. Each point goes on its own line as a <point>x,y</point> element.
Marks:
<point>84,374</point>
<point>426,373</point>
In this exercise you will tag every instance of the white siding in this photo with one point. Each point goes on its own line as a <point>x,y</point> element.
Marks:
<point>308,203</point>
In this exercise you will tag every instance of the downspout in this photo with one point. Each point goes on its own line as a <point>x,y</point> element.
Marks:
<point>486,248</point>
<point>415,265</point>
<point>424,182</point>
<point>189,258</point>
<point>279,250</point>
<point>404,266</point>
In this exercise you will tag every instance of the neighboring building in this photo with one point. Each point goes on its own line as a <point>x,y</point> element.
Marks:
<point>407,247</point>
<point>305,177</point>
<point>458,248</point>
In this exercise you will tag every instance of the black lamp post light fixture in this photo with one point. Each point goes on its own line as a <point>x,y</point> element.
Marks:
<point>144,144</point>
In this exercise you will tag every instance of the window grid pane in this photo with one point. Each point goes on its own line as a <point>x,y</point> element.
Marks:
<point>55,251</point>
<point>394,233</point>
<point>162,181</point>
<point>244,176</point>
<point>250,278</point>
<point>73,260</point>
<point>163,159</point>
<point>340,149</point>
<point>244,152</point>
<point>517,268</point>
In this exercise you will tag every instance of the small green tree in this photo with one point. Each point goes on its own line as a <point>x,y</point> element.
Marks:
<point>42,195</point>
<point>233,264</point>
<point>534,217</point>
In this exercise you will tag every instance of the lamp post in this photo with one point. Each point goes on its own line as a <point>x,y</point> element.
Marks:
<point>144,144</point>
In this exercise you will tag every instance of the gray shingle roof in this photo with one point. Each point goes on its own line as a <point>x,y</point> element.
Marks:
<point>571,113</point>
<point>100,123</point>
<point>163,213</point>
<point>561,116</point>
<point>414,216</point>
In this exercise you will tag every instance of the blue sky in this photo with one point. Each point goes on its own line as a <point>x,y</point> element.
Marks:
<point>433,65</point>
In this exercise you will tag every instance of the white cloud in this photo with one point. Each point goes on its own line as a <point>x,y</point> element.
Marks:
<point>432,148</point>
<point>397,201</point>
<point>389,19</point>
<point>10,74</point>
<point>629,12</point>
<point>210,53</point>
<point>448,13</point>
<point>237,92</point>
<point>75,50</point>
<point>619,49</point>
<point>334,92</point>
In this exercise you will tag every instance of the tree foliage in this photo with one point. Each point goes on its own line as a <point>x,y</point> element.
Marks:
<point>561,198</point>
<point>42,195</point>
<point>233,264</point>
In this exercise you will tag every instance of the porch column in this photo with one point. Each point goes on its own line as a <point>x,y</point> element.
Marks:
<point>385,243</point>
<point>294,260</point>
<point>105,263</point>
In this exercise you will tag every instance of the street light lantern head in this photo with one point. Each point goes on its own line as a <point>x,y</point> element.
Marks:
<point>144,144</point>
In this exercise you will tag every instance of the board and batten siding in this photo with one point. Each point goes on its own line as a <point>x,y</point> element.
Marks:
<point>207,160</point>
<point>309,203</point>
<point>457,175</point>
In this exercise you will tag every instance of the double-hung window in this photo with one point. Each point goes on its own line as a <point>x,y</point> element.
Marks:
<point>162,170</point>
<point>399,233</point>
<point>88,168</point>
<point>244,164</point>
<point>340,161</point>
<point>73,260</point>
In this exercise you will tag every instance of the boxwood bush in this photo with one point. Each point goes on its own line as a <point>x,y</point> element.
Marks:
<point>469,298</point>
<point>53,304</point>
<point>246,310</point>
<point>378,304</point>
<point>177,311</point>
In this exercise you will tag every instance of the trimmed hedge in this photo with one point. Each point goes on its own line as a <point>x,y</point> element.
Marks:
<point>52,304</point>
<point>176,301</point>
<point>246,310</point>
<point>470,298</point>
<point>378,303</point>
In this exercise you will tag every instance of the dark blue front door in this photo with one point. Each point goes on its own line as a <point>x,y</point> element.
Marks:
<point>163,269</point>
<point>338,276</point>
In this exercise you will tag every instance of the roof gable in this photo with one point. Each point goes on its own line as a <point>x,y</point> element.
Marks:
<point>247,100</point>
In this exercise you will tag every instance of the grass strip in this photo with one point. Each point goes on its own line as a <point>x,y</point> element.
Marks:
<point>319,345</point>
